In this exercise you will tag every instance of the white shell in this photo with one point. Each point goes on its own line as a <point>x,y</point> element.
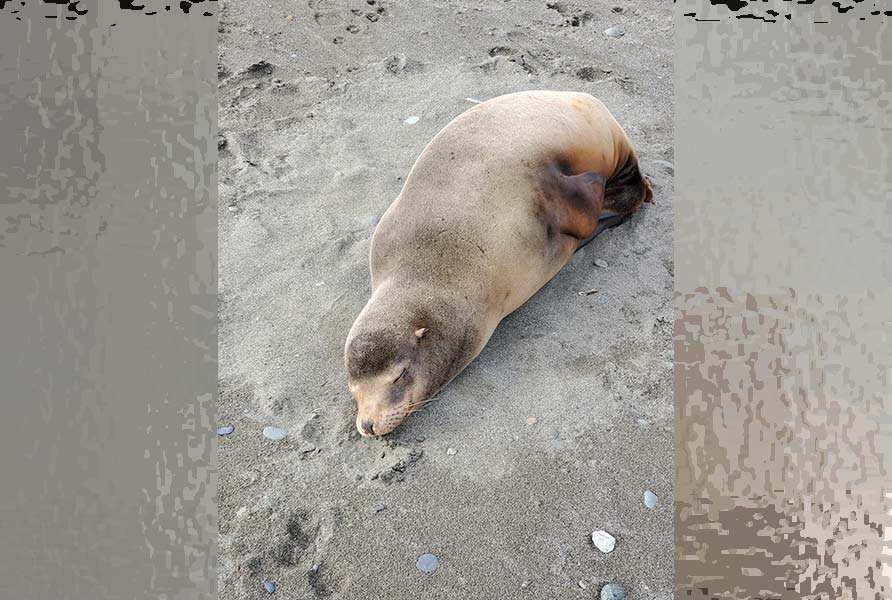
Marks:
<point>603,541</point>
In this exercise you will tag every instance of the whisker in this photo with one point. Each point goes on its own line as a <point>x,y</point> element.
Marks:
<point>423,402</point>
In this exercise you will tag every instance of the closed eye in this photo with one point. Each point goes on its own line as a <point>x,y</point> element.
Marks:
<point>400,376</point>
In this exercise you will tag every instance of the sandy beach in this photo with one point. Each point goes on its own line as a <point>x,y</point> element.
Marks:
<point>562,423</point>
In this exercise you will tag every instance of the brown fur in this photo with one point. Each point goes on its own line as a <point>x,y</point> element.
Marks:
<point>493,208</point>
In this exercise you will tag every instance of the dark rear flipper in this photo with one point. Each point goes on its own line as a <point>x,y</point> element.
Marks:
<point>624,194</point>
<point>628,189</point>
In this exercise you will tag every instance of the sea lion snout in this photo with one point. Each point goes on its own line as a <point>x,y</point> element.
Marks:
<point>384,377</point>
<point>382,404</point>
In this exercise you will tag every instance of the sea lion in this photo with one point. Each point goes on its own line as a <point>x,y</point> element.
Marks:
<point>492,209</point>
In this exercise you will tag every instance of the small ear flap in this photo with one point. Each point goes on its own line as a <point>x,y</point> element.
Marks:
<point>419,333</point>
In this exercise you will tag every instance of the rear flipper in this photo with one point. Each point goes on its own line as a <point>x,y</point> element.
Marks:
<point>628,189</point>
<point>624,194</point>
<point>606,221</point>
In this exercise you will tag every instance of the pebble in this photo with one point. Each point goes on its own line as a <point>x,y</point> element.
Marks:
<point>582,585</point>
<point>427,563</point>
<point>474,100</point>
<point>274,433</point>
<point>373,220</point>
<point>232,208</point>
<point>650,499</point>
<point>225,430</point>
<point>306,448</point>
<point>614,32</point>
<point>601,263</point>
<point>613,591</point>
<point>525,584</point>
<point>532,420</point>
<point>451,451</point>
<point>603,541</point>
<point>269,586</point>
<point>411,120</point>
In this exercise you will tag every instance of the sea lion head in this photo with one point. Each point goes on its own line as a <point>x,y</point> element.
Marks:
<point>389,375</point>
<point>409,341</point>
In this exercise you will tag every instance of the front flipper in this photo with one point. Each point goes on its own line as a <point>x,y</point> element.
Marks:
<point>572,203</point>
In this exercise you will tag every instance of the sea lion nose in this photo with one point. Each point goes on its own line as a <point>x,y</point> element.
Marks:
<point>368,427</point>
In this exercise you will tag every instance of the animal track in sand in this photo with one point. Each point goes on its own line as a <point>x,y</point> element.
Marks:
<point>295,541</point>
<point>518,57</point>
<point>592,73</point>
<point>325,14</point>
<point>502,51</point>
<point>573,15</point>
<point>264,541</point>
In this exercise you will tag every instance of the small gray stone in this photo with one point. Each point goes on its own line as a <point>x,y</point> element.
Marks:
<point>225,430</point>
<point>601,263</point>
<point>451,451</point>
<point>411,120</point>
<point>274,433</point>
<point>269,586</point>
<point>650,499</point>
<point>613,591</point>
<point>603,541</point>
<point>427,563</point>
<point>614,32</point>
<point>306,448</point>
